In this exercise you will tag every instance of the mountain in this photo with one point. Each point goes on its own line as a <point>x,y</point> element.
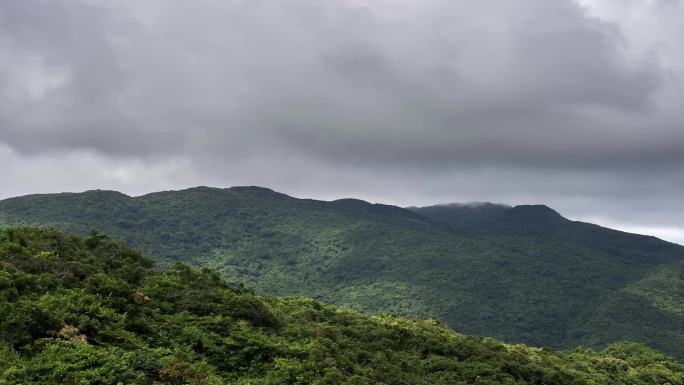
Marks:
<point>93,311</point>
<point>542,224</point>
<point>640,308</point>
<point>520,274</point>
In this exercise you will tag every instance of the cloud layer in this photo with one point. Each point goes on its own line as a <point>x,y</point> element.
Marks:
<point>574,104</point>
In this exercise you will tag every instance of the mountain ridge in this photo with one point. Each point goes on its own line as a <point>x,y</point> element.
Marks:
<point>513,280</point>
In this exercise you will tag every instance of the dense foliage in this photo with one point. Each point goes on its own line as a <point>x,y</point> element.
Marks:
<point>92,311</point>
<point>522,274</point>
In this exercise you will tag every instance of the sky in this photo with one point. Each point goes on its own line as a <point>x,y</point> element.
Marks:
<point>578,105</point>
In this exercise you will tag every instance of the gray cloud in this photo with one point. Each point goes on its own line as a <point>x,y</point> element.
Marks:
<point>571,104</point>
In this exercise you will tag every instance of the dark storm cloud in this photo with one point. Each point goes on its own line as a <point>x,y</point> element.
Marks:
<point>534,100</point>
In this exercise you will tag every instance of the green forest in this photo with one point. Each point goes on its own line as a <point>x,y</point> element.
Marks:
<point>94,311</point>
<point>518,274</point>
<point>521,275</point>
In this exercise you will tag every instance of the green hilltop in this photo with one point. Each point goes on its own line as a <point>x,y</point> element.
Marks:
<point>520,274</point>
<point>93,311</point>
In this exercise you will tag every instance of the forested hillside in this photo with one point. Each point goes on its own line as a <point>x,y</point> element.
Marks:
<point>530,276</point>
<point>93,311</point>
<point>540,223</point>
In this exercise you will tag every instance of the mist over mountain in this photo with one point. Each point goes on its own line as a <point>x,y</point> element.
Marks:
<point>521,274</point>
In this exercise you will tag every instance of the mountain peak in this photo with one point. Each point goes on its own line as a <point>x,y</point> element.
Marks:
<point>252,189</point>
<point>531,219</point>
<point>257,191</point>
<point>110,193</point>
<point>472,205</point>
<point>537,211</point>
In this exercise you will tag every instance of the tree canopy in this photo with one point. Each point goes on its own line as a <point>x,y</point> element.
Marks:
<point>94,311</point>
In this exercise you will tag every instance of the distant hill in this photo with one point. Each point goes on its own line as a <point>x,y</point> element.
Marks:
<point>543,224</point>
<point>93,311</point>
<point>521,274</point>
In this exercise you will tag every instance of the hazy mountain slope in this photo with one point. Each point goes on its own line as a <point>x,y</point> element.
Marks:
<point>541,223</point>
<point>531,288</point>
<point>92,311</point>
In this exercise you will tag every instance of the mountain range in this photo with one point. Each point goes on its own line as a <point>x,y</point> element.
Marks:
<point>519,274</point>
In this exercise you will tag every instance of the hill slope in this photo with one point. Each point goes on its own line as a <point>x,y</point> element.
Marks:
<point>92,311</point>
<point>516,286</point>
<point>641,308</point>
<point>540,223</point>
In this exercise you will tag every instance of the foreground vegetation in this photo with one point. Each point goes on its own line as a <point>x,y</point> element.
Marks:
<point>93,311</point>
<point>521,274</point>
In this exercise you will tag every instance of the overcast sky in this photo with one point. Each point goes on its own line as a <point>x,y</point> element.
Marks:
<point>577,105</point>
